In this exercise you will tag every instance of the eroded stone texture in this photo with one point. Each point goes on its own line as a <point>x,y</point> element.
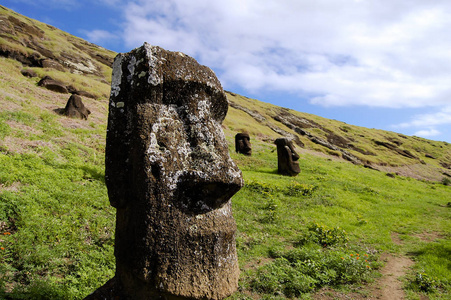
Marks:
<point>53,85</point>
<point>287,158</point>
<point>75,108</point>
<point>28,73</point>
<point>169,174</point>
<point>243,144</point>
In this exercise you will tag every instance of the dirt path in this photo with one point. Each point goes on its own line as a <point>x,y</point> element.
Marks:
<point>389,286</point>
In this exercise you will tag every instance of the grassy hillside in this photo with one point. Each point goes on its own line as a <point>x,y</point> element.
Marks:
<point>378,149</point>
<point>331,226</point>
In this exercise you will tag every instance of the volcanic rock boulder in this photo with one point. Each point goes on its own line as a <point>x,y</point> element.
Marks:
<point>75,108</point>
<point>243,144</point>
<point>169,174</point>
<point>287,158</point>
<point>85,94</point>
<point>28,73</point>
<point>52,64</point>
<point>53,85</point>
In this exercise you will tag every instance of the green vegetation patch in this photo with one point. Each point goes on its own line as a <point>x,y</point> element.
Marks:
<point>303,270</point>
<point>57,229</point>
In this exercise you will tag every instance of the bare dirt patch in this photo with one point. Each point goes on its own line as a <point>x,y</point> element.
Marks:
<point>27,130</point>
<point>14,187</point>
<point>389,286</point>
<point>21,146</point>
<point>416,171</point>
<point>429,236</point>
<point>396,238</point>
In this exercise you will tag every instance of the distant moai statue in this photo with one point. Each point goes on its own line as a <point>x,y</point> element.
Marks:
<point>287,158</point>
<point>170,176</point>
<point>243,144</point>
<point>75,108</point>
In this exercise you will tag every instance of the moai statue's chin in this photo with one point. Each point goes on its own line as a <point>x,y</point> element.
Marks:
<point>243,144</point>
<point>287,158</point>
<point>170,176</point>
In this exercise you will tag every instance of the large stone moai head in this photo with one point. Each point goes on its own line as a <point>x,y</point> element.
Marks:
<point>287,158</point>
<point>243,144</point>
<point>170,176</point>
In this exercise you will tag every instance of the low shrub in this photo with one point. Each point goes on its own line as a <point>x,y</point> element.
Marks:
<point>281,278</point>
<point>425,282</point>
<point>270,211</point>
<point>323,235</point>
<point>302,270</point>
<point>294,189</point>
<point>261,187</point>
<point>299,189</point>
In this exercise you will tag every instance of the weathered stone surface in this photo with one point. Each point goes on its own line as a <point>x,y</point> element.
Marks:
<point>30,60</point>
<point>53,85</point>
<point>85,94</point>
<point>71,89</point>
<point>28,73</point>
<point>52,64</point>
<point>345,154</point>
<point>252,113</point>
<point>169,174</point>
<point>75,108</point>
<point>395,148</point>
<point>257,116</point>
<point>287,158</point>
<point>333,142</point>
<point>429,156</point>
<point>243,143</point>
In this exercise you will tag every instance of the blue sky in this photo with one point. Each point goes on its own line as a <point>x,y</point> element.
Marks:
<point>374,63</point>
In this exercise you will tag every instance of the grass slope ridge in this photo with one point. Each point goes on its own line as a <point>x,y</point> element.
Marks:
<point>325,228</point>
<point>377,149</point>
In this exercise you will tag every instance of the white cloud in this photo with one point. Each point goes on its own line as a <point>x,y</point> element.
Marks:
<point>429,125</point>
<point>379,53</point>
<point>442,117</point>
<point>98,36</point>
<point>426,133</point>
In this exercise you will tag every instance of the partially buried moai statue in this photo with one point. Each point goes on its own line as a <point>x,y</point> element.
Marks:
<point>243,144</point>
<point>287,158</point>
<point>170,176</point>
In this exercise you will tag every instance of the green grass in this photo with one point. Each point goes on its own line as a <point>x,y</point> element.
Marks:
<point>368,205</point>
<point>61,228</point>
<point>57,226</point>
<point>295,234</point>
